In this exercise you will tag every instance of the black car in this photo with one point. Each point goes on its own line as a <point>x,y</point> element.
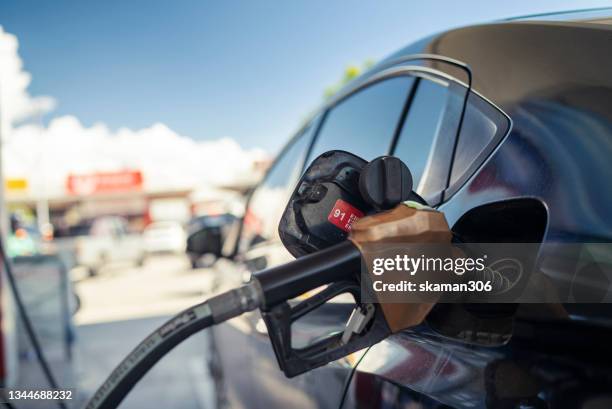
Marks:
<point>205,235</point>
<point>532,163</point>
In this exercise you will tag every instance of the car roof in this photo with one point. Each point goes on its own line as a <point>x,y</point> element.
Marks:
<point>601,15</point>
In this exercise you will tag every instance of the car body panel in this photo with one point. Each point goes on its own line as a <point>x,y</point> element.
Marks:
<point>108,242</point>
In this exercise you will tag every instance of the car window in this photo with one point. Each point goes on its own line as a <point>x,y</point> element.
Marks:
<point>483,126</point>
<point>428,134</point>
<point>365,122</point>
<point>269,198</point>
<point>422,125</point>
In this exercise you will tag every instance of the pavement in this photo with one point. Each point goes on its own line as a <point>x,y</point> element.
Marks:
<point>122,306</point>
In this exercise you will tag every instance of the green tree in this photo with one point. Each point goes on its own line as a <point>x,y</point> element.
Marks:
<point>351,72</point>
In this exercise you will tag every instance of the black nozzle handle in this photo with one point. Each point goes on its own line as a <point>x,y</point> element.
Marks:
<point>281,283</point>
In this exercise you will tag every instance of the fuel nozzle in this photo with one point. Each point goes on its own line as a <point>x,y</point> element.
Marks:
<point>339,207</point>
<point>336,190</point>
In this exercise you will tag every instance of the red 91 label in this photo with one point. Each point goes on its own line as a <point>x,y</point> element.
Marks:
<point>343,215</point>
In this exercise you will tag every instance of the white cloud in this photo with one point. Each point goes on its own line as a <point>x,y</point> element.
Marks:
<point>15,101</point>
<point>46,155</point>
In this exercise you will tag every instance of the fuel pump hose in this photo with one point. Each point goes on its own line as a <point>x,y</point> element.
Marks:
<point>270,287</point>
<point>194,319</point>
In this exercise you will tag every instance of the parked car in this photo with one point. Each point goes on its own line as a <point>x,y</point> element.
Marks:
<point>107,240</point>
<point>164,237</point>
<point>530,164</point>
<point>206,236</point>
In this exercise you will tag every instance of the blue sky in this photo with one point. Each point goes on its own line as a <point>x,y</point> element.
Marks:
<point>247,70</point>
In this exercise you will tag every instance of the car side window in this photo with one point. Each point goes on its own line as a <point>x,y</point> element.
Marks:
<point>270,197</point>
<point>421,127</point>
<point>484,125</point>
<point>365,122</point>
<point>428,135</point>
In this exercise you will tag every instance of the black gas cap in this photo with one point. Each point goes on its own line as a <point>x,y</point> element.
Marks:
<point>385,182</point>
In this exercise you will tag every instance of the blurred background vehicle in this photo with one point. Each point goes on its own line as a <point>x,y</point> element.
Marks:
<point>164,237</point>
<point>207,235</point>
<point>107,241</point>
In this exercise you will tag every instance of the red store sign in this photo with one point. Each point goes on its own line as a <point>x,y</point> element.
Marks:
<point>104,182</point>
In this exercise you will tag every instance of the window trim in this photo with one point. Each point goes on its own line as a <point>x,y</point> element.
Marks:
<point>442,148</point>
<point>415,71</point>
<point>396,71</point>
<point>397,68</point>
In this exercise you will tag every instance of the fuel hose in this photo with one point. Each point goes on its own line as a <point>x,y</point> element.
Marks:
<point>266,288</point>
<point>194,319</point>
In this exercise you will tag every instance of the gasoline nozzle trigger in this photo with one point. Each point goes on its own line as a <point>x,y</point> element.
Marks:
<point>318,227</point>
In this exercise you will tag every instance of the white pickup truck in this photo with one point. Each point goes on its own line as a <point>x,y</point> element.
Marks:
<point>108,241</point>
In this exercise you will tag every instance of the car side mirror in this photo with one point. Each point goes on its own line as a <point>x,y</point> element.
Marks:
<point>205,241</point>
